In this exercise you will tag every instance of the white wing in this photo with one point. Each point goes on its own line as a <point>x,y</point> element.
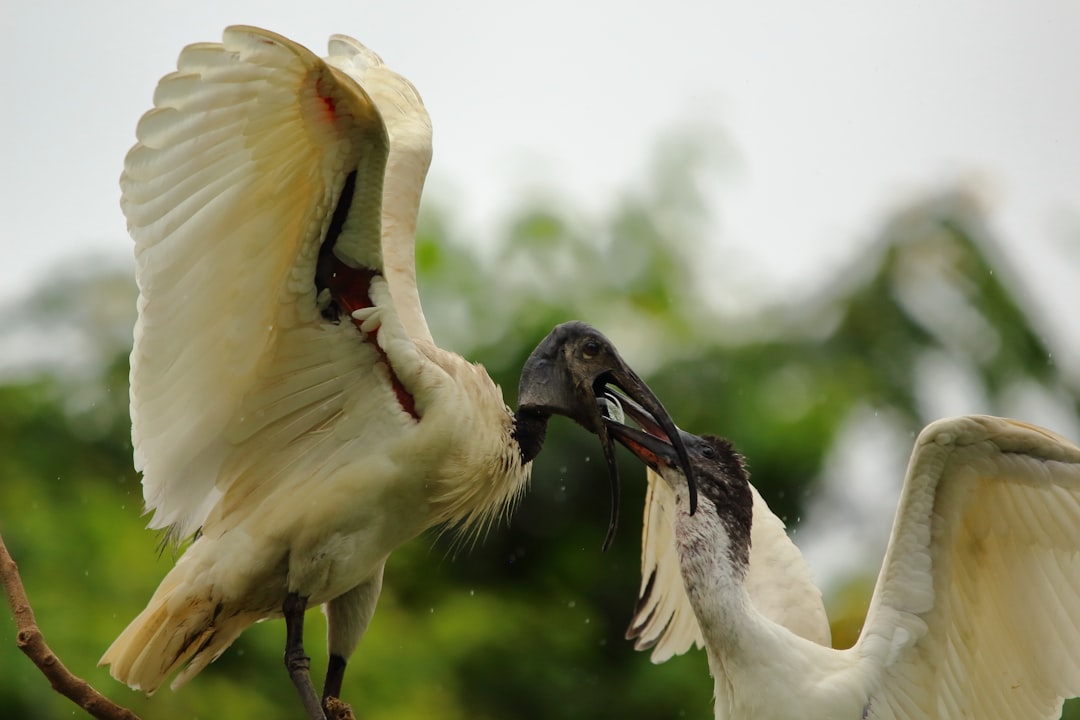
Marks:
<point>409,128</point>
<point>663,618</point>
<point>778,581</point>
<point>976,612</point>
<point>228,194</point>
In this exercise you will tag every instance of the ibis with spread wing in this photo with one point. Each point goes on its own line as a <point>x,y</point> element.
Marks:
<point>976,611</point>
<point>290,410</point>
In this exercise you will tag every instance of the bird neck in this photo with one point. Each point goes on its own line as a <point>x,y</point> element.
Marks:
<point>758,666</point>
<point>737,637</point>
<point>714,550</point>
<point>714,583</point>
<point>714,561</point>
<point>530,429</point>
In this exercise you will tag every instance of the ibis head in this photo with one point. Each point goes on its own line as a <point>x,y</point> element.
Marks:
<point>575,371</point>
<point>721,476</point>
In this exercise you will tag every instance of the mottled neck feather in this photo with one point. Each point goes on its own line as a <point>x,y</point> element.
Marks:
<point>714,544</point>
<point>747,651</point>
<point>733,630</point>
<point>757,664</point>
<point>729,501</point>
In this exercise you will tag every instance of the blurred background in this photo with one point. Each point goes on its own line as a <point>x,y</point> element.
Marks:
<point>812,231</point>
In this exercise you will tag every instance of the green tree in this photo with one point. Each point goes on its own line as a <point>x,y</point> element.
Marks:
<point>529,623</point>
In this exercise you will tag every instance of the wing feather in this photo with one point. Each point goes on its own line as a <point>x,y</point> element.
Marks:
<point>975,610</point>
<point>228,195</point>
<point>409,127</point>
<point>778,581</point>
<point>663,619</point>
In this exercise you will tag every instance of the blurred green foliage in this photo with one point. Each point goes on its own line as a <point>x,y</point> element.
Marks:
<point>529,623</point>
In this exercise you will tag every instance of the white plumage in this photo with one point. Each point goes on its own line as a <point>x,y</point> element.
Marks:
<point>976,612</point>
<point>277,433</point>
<point>288,404</point>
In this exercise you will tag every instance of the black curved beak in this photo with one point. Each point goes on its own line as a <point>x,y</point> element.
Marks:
<point>652,444</point>
<point>654,451</point>
<point>568,372</point>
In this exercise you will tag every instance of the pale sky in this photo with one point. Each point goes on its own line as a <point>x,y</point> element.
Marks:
<point>839,111</point>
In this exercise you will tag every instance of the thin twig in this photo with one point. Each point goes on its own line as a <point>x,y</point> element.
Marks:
<point>30,640</point>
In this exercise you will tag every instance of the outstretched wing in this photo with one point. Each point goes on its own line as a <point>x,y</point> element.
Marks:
<point>778,580</point>
<point>409,127</point>
<point>255,152</point>
<point>976,612</point>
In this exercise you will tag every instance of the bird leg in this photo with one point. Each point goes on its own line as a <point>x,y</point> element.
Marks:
<point>335,673</point>
<point>296,662</point>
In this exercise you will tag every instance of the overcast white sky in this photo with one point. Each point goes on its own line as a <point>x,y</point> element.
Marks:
<point>839,110</point>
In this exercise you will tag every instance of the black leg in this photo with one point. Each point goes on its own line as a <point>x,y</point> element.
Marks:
<point>296,662</point>
<point>335,673</point>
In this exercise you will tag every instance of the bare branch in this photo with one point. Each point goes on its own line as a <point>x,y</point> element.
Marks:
<point>30,640</point>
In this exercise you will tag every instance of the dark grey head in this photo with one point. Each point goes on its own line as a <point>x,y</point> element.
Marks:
<point>569,373</point>
<point>719,470</point>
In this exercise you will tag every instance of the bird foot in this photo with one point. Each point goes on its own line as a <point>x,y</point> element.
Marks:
<point>338,710</point>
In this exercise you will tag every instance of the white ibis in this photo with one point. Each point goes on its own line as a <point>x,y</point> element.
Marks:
<point>976,612</point>
<point>289,408</point>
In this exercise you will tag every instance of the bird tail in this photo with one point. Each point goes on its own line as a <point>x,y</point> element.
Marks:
<point>182,624</point>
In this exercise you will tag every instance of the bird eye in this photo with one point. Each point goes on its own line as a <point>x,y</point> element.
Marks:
<point>590,349</point>
<point>709,452</point>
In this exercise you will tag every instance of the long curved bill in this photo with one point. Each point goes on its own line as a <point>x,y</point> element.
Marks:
<point>656,443</point>
<point>656,452</point>
<point>650,415</point>
<point>570,373</point>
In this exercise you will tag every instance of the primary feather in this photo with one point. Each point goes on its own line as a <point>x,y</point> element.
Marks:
<point>977,607</point>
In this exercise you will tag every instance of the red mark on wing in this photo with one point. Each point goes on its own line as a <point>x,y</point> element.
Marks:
<point>328,103</point>
<point>351,289</point>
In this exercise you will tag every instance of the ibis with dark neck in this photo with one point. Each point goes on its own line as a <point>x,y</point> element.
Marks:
<point>976,605</point>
